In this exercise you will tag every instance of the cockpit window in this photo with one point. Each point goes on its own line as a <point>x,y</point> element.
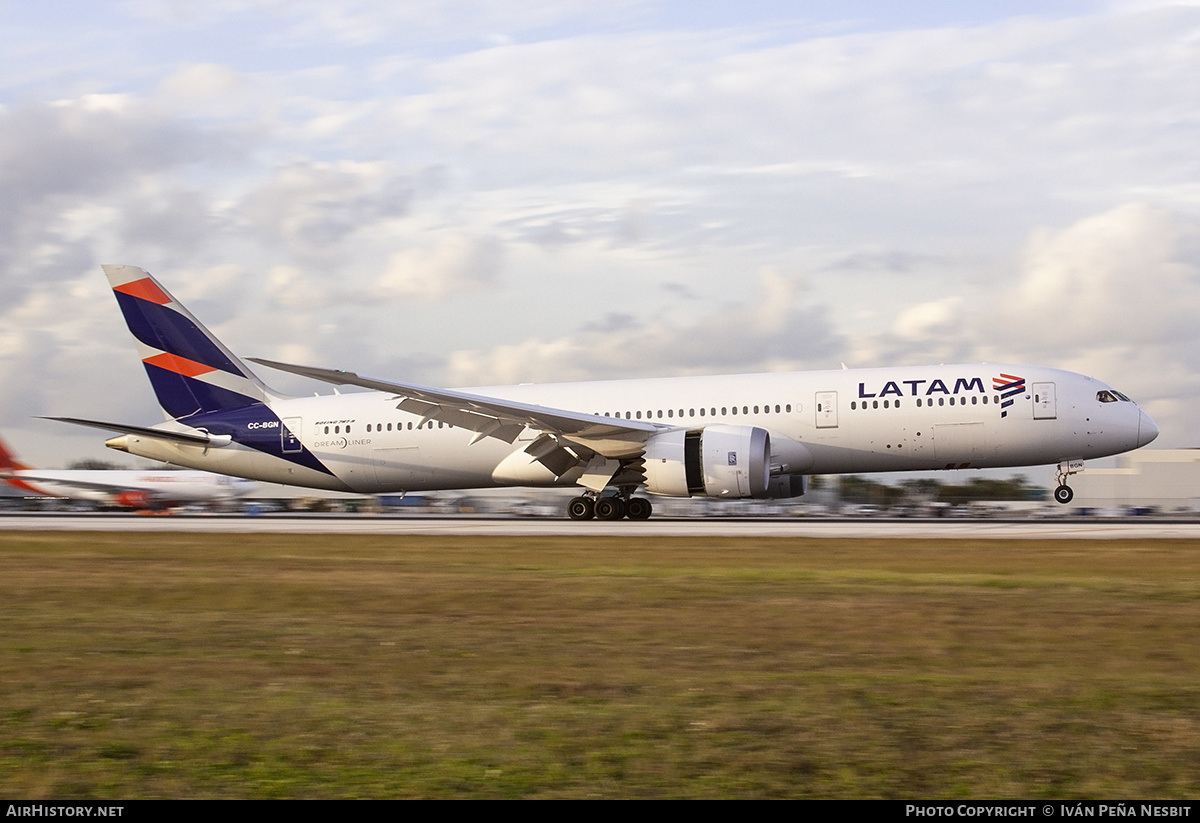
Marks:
<point>1123,397</point>
<point>1106,397</point>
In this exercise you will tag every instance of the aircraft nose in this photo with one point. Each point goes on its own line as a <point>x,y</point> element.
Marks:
<point>1147,429</point>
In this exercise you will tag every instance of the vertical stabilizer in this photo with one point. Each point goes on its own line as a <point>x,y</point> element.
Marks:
<point>8,462</point>
<point>190,370</point>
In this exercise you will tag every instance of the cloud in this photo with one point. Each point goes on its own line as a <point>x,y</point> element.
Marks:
<point>310,209</point>
<point>453,265</point>
<point>925,320</point>
<point>1129,276</point>
<point>773,330</point>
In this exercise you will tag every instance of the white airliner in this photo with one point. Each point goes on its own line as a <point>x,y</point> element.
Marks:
<point>742,436</point>
<point>127,489</point>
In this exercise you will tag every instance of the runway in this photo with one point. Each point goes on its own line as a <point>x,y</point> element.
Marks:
<point>1075,529</point>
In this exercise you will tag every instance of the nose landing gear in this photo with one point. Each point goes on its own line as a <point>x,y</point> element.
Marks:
<point>1063,493</point>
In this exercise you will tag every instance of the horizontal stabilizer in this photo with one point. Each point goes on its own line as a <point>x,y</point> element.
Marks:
<point>194,437</point>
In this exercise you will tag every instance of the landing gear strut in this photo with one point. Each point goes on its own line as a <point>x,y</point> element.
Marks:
<point>618,507</point>
<point>1063,493</point>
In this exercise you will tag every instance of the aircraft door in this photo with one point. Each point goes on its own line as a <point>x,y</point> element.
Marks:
<point>1045,405</point>
<point>827,416</point>
<point>289,441</point>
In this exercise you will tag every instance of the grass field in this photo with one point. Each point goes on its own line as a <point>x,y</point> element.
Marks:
<point>147,665</point>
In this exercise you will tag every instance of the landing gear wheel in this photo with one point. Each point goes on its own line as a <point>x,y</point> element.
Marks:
<point>1064,495</point>
<point>610,508</point>
<point>581,508</point>
<point>638,508</point>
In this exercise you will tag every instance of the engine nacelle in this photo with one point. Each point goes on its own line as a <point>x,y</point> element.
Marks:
<point>717,461</point>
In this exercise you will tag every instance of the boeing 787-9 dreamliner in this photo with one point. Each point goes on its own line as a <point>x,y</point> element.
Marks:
<point>734,436</point>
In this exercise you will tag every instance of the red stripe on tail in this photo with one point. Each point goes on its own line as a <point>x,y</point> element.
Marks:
<point>144,289</point>
<point>179,365</point>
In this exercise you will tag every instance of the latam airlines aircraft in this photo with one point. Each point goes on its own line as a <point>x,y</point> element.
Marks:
<point>127,489</point>
<point>743,436</point>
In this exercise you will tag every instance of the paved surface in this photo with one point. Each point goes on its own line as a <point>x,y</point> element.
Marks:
<point>1097,528</point>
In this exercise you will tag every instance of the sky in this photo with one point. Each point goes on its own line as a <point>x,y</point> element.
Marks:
<point>469,192</point>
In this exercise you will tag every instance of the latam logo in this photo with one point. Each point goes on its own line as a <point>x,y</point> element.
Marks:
<point>924,388</point>
<point>1009,386</point>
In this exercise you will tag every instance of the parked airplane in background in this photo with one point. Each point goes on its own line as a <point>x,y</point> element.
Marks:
<point>127,489</point>
<point>744,436</point>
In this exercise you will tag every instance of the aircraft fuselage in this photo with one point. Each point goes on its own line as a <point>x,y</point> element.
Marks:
<point>830,422</point>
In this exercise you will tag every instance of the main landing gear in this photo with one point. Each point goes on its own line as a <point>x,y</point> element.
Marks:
<point>1063,493</point>
<point>609,508</point>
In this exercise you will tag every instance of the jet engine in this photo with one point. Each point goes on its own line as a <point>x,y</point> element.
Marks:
<point>717,461</point>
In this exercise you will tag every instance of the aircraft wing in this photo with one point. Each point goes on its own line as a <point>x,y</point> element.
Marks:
<point>494,417</point>
<point>58,479</point>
